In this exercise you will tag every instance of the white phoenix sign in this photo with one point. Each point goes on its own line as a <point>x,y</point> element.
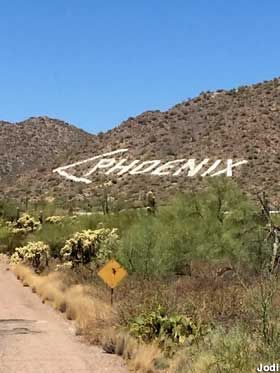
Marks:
<point>110,165</point>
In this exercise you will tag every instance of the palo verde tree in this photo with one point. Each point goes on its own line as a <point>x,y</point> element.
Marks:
<point>217,223</point>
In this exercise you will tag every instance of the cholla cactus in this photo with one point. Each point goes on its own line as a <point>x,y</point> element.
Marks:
<point>87,246</point>
<point>25,224</point>
<point>55,219</point>
<point>151,202</point>
<point>64,266</point>
<point>35,254</point>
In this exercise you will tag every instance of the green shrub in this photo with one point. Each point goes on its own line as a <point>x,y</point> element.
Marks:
<point>166,330</point>
<point>263,303</point>
<point>231,351</point>
<point>5,238</point>
<point>8,239</point>
<point>8,209</point>
<point>55,235</point>
<point>137,247</point>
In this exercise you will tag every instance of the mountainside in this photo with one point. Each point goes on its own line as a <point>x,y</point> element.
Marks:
<point>239,124</point>
<point>35,144</point>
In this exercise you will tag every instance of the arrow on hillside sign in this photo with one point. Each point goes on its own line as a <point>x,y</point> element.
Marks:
<point>109,165</point>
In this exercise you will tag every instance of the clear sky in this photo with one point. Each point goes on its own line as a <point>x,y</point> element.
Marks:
<point>95,63</point>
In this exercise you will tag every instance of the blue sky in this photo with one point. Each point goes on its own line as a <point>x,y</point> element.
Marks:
<point>95,63</point>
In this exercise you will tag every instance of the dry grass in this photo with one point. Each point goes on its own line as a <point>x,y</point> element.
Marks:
<point>93,318</point>
<point>203,296</point>
<point>223,302</point>
<point>182,363</point>
<point>91,315</point>
<point>140,357</point>
<point>120,343</point>
<point>145,358</point>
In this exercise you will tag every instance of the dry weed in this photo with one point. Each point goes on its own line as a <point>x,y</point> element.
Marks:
<point>92,316</point>
<point>145,358</point>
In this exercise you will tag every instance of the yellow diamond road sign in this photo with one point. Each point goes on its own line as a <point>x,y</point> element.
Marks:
<point>112,273</point>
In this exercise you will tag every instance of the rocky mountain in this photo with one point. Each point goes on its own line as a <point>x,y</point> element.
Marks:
<point>242,123</point>
<point>35,144</point>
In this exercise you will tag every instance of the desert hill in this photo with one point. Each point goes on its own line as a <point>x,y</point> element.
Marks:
<point>35,144</point>
<point>242,123</point>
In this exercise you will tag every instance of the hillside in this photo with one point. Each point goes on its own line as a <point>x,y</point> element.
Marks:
<point>35,144</point>
<point>242,123</point>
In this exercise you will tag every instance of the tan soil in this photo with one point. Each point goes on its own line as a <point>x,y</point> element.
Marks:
<point>36,339</point>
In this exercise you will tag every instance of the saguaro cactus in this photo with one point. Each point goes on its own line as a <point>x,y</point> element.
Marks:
<point>41,217</point>
<point>106,196</point>
<point>18,213</point>
<point>273,231</point>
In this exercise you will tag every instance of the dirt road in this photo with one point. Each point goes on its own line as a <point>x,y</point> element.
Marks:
<point>36,339</point>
